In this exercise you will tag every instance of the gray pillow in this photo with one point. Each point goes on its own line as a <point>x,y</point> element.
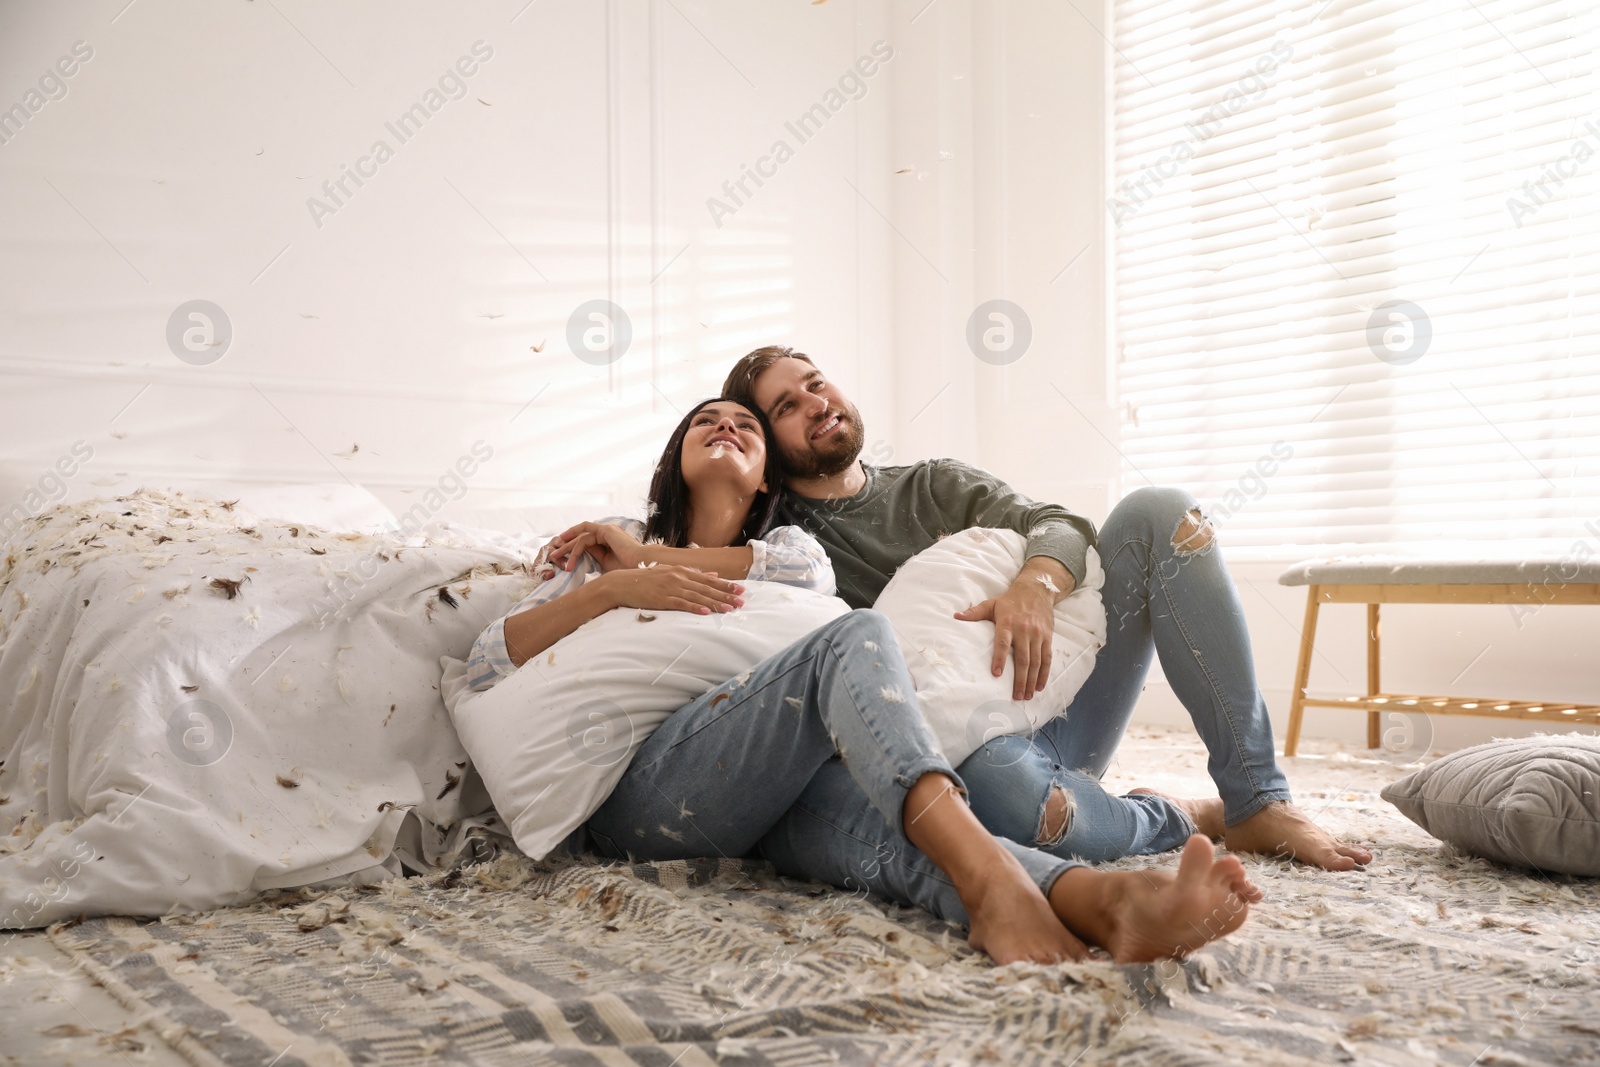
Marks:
<point>1527,801</point>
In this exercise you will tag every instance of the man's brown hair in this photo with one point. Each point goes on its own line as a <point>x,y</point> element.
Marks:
<point>740,384</point>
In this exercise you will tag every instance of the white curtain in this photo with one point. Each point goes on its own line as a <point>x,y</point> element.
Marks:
<point>1357,250</point>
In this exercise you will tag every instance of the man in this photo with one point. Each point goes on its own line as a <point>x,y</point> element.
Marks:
<point>1166,592</point>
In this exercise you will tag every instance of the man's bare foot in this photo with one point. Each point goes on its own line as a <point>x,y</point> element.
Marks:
<point>1281,829</point>
<point>1010,920</point>
<point>1139,916</point>
<point>1205,814</point>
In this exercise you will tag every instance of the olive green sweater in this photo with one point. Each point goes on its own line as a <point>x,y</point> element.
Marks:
<point>903,510</point>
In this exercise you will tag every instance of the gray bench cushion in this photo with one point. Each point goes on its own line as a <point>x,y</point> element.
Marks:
<point>1415,570</point>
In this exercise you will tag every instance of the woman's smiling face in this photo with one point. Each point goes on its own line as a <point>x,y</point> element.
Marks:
<point>724,440</point>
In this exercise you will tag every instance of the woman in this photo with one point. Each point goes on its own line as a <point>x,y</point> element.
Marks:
<point>833,720</point>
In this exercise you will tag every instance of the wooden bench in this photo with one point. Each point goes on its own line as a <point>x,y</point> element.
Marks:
<point>1377,580</point>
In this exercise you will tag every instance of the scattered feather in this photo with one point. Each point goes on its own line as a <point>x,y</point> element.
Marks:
<point>228,587</point>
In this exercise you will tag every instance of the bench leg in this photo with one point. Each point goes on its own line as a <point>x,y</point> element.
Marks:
<point>1373,686</point>
<point>1302,673</point>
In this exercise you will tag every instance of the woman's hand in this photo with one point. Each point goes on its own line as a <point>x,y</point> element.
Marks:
<point>611,546</point>
<point>669,588</point>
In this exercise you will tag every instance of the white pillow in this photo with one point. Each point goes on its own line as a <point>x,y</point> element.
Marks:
<point>949,659</point>
<point>552,740</point>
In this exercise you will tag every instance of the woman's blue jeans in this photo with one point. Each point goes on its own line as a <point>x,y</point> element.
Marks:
<point>1175,601</point>
<point>830,725</point>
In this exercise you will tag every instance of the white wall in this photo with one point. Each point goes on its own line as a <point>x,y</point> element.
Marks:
<point>577,166</point>
<point>999,112</point>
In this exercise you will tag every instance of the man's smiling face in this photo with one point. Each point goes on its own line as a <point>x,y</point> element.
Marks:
<point>817,430</point>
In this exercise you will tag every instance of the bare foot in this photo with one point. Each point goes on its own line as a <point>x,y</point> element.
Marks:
<point>1281,829</point>
<point>1010,920</point>
<point>1205,814</point>
<point>1139,916</point>
<point>1007,916</point>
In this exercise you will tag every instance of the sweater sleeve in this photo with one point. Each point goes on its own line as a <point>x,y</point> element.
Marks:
<point>489,660</point>
<point>971,497</point>
<point>790,555</point>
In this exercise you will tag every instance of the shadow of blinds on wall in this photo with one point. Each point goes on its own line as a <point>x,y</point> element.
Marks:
<point>1357,255</point>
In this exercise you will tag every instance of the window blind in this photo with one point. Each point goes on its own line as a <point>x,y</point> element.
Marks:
<point>1356,267</point>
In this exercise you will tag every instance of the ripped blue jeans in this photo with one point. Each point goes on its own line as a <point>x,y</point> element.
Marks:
<point>1168,594</point>
<point>725,774</point>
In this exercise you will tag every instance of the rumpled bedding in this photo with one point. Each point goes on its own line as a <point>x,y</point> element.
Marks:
<point>196,705</point>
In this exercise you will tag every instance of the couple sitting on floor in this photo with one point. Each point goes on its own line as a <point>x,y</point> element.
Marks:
<point>999,843</point>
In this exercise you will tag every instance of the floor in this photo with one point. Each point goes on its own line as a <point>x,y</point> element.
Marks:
<point>58,1016</point>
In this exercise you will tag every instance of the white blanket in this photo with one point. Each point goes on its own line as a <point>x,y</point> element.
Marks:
<point>195,706</point>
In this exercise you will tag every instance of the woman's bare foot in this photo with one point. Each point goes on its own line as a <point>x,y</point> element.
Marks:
<point>1010,920</point>
<point>1007,916</point>
<point>1139,916</point>
<point>1205,814</point>
<point>1281,829</point>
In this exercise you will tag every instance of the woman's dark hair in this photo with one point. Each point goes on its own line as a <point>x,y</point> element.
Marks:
<point>668,519</point>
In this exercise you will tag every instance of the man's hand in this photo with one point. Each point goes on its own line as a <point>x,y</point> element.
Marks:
<point>1024,622</point>
<point>611,546</point>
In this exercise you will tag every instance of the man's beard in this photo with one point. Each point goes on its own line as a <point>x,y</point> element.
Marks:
<point>834,454</point>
